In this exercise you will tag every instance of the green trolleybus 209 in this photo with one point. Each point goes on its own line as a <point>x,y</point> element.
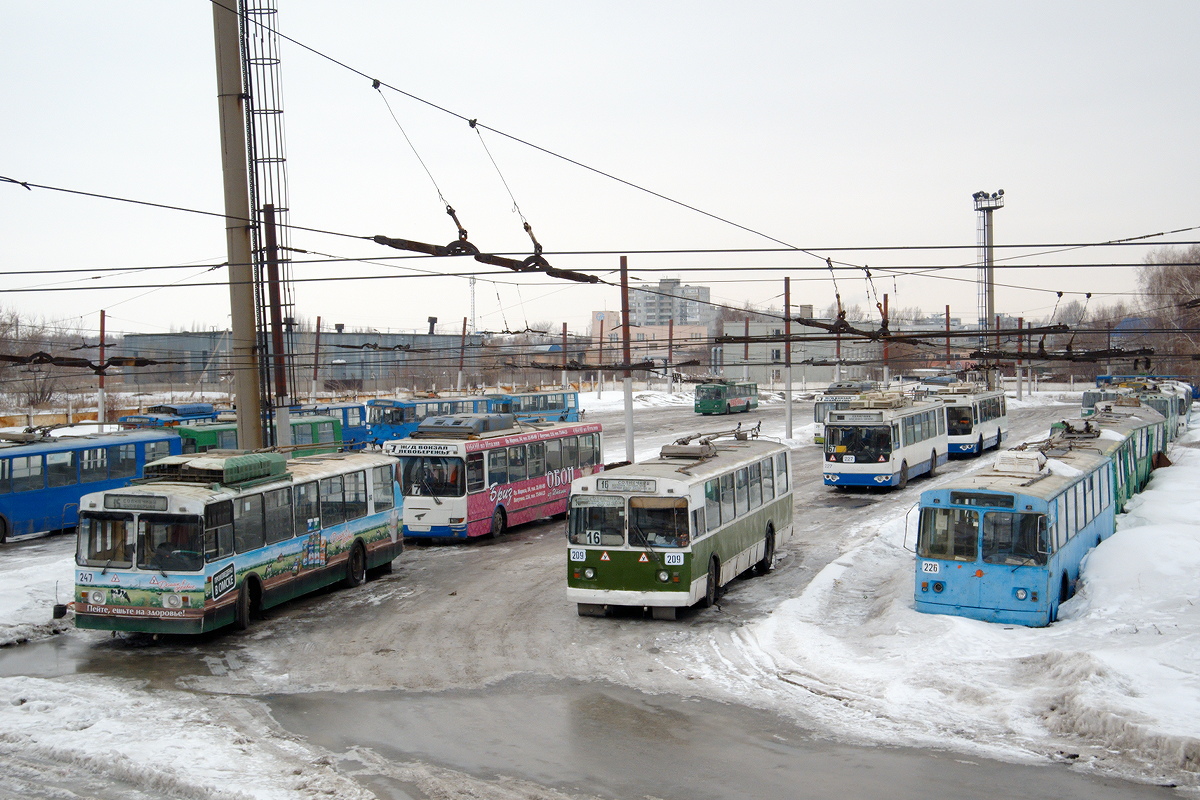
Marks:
<point>726,397</point>
<point>209,540</point>
<point>670,532</point>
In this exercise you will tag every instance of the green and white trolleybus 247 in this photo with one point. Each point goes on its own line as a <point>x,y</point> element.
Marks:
<point>670,532</point>
<point>209,540</point>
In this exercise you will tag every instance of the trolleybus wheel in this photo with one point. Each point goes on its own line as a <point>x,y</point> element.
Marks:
<point>933,464</point>
<point>768,560</point>
<point>903,475</point>
<point>3,531</point>
<point>711,586</point>
<point>356,566</point>
<point>498,523</point>
<point>663,612</point>
<point>243,612</point>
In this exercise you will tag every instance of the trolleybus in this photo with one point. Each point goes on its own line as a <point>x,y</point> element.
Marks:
<point>42,477</point>
<point>553,405</point>
<point>726,397</point>
<point>883,439</point>
<point>169,415</point>
<point>352,415</point>
<point>311,434</point>
<point>671,532</point>
<point>206,541</point>
<point>976,417</point>
<point>1004,544</point>
<point>389,418</point>
<point>478,474</point>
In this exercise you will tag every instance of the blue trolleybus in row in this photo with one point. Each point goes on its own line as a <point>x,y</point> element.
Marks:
<point>43,477</point>
<point>1004,543</point>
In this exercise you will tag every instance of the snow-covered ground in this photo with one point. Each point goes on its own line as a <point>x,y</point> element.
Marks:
<point>1121,668</point>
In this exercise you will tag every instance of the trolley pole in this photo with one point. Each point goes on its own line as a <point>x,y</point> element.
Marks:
<point>628,359</point>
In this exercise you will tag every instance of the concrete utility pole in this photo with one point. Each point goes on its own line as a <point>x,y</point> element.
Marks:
<point>243,355</point>
<point>787,357</point>
<point>628,359</point>
<point>101,400</point>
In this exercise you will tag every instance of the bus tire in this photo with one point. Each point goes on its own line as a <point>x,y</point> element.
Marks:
<point>499,524</point>
<point>712,586</point>
<point>933,464</point>
<point>356,566</point>
<point>903,480</point>
<point>3,530</point>
<point>768,560</point>
<point>246,608</point>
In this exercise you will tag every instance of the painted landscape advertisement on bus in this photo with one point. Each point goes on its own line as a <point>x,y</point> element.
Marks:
<point>151,594</point>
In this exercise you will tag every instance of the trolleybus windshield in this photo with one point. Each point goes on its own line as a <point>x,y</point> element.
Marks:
<point>171,542</point>
<point>861,442</point>
<point>958,419</point>
<point>432,476</point>
<point>948,533</point>
<point>1014,539</point>
<point>597,520</point>
<point>659,521</point>
<point>711,392</point>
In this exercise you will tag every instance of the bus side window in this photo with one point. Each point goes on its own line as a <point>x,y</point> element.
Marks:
<point>712,504</point>
<point>28,473</point>
<point>537,459</point>
<point>570,452</point>
<point>382,491</point>
<point>516,463</point>
<point>218,530</point>
<point>325,432</point>
<point>697,523</point>
<point>302,433</point>
<point>741,491</point>
<point>227,440</point>
<point>588,456</point>
<point>554,460</point>
<point>93,465</point>
<point>768,479</point>
<point>756,489</point>
<point>781,473</point>
<point>306,509</point>
<point>475,472</point>
<point>727,507</point>
<point>248,533</point>
<point>356,494</point>
<point>333,509</point>
<point>497,467</point>
<point>5,475</point>
<point>278,507</point>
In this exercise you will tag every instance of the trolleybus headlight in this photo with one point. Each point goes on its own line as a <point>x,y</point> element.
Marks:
<point>938,586</point>
<point>589,573</point>
<point>663,576</point>
<point>172,601</point>
<point>1021,594</point>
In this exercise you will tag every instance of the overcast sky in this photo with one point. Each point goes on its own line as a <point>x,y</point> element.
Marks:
<point>820,125</point>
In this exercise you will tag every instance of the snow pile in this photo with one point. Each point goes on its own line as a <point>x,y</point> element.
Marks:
<point>168,743</point>
<point>1115,681</point>
<point>28,594</point>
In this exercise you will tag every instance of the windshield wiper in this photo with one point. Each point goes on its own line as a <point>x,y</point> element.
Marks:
<point>429,489</point>
<point>633,526</point>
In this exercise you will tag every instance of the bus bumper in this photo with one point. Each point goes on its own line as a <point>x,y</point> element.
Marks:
<point>1036,618</point>
<point>860,479</point>
<point>436,531</point>
<point>617,597</point>
<point>971,448</point>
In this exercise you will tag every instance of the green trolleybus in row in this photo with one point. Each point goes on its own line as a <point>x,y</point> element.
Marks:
<point>726,397</point>
<point>670,532</point>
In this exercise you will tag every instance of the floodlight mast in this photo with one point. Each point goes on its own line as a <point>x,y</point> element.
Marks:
<point>985,204</point>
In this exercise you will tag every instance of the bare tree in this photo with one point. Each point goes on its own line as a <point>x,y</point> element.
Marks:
<point>1170,286</point>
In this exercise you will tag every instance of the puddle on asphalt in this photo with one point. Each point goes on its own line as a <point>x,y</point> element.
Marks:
<point>606,740</point>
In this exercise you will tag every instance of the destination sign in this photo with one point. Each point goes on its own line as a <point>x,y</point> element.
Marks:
<point>135,502</point>
<point>625,485</point>
<point>419,449</point>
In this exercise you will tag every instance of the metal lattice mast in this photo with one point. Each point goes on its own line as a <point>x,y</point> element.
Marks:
<point>267,165</point>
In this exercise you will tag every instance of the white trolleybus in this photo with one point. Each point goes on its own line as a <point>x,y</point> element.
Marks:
<point>883,439</point>
<point>210,539</point>
<point>670,532</point>
<point>976,417</point>
<point>469,475</point>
